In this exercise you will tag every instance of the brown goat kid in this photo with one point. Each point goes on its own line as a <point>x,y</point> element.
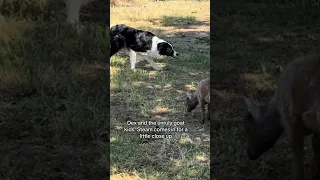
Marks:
<point>294,108</point>
<point>201,96</point>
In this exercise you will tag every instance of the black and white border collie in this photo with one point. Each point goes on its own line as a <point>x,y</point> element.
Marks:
<point>139,45</point>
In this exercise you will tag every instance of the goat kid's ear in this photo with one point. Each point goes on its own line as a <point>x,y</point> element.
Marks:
<point>189,95</point>
<point>249,102</point>
<point>253,108</point>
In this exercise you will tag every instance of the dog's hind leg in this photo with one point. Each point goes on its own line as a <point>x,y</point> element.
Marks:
<point>133,59</point>
<point>316,156</point>
<point>152,63</point>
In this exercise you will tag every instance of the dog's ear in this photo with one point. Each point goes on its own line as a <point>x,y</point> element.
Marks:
<point>164,48</point>
<point>160,47</point>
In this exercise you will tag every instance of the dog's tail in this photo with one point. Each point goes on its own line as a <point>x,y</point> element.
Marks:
<point>117,42</point>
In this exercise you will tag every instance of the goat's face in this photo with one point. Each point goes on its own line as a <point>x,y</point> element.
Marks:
<point>258,140</point>
<point>191,102</point>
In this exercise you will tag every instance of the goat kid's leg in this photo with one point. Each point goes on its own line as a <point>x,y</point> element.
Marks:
<point>316,156</point>
<point>208,111</point>
<point>316,146</point>
<point>295,132</point>
<point>2,20</point>
<point>202,106</point>
<point>214,123</point>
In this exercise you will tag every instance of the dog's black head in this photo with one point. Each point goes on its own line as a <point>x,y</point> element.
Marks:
<point>166,49</point>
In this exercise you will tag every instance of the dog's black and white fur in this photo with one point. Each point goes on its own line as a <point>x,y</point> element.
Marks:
<point>139,45</point>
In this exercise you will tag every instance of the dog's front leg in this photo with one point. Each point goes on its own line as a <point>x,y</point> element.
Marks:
<point>153,64</point>
<point>133,59</point>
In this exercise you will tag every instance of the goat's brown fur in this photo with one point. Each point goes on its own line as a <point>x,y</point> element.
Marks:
<point>201,96</point>
<point>294,108</point>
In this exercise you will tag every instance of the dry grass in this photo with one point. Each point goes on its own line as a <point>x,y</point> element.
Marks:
<point>114,3</point>
<point>14,27</point>
<point>161,14</point>
<point>11,28</point>
<point>132,3</point>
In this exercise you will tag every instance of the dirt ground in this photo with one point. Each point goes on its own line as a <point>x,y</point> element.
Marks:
<point>251,42</point>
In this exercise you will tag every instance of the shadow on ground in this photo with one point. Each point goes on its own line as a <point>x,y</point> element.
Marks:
<point>182,21</point>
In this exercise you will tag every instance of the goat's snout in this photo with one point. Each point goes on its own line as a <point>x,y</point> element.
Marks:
<point>175,54</point>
